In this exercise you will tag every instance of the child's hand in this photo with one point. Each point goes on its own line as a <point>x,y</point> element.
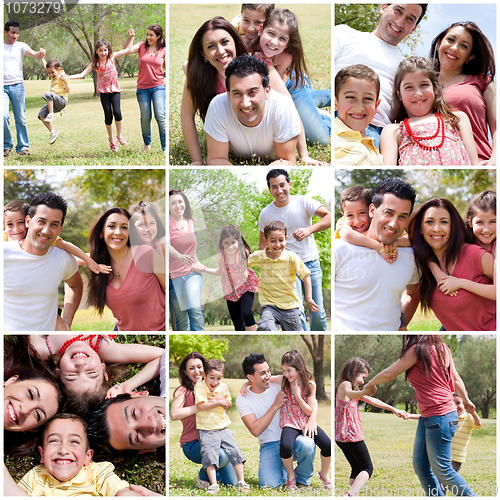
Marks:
<point>198,267</point>
<point>294,386</point>
<point>389,252</point>
<point>246,275</point>
<point>243,390</point>
<point>312,305</point>
<point>401,414</point>
<point>63,78</point>
<point>42,53</point>
<point>103,268</point>
<point>449,285</point>
<point>117,389</point>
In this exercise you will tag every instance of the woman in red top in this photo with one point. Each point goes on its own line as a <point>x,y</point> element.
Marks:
<point>429,366</point>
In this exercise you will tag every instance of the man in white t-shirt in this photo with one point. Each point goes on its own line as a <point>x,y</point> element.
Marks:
<point>296,213</point>
<point>33,270</point>
<point>368,290</point>
<point>251,120</point>
<point>13,87</point>
<point>259,410</point>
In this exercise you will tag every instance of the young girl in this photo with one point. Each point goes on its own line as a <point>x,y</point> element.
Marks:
<point>239,293</point>
<point>103,61</point>
<point>426,131</point>
<point>348,431</point>
<point>146,226</point>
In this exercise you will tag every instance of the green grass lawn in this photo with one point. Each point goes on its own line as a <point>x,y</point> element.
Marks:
<point>390,442</point>
<point>83,139</point>
<point>186,19</point>
<point>424,322</point>
<point>183,473</point>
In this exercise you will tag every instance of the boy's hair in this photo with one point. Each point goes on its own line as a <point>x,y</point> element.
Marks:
<point>51,200</point>
<point>360,71</point>
<point>275,225</point>
<point>276,172</point>
<point>52,63</point>
<point>482,202</point>
<point>16,206</point>
<point>63,416</point>
<point>11,24</point>
<point>250,361</point>
<point>265,8</point>
<point>456,395</point>
<point>214,364</point>
<point>398,188</point>
<point>355,193</point>
<point>246,65</point>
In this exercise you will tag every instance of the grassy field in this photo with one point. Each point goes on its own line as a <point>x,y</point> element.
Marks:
<point>83,139</point>
<point>424,322</point>
<point>89,321</point>
<point>390,442</point>
<point>185,19</point>
<point>183,473</point>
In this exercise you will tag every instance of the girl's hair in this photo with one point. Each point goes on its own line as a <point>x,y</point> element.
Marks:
<point>351,369</point>
<point>183,376</point>
<point>296,360</point>
<point>146,208</point>
<point>159,33</point>
<point>423,252</point>
<point>232,231</point>
<point>411,65</point>
<point>188,211</point>
<point>99,252</point>
<point>483,61</point>
<point>201,76</point>
<point>294,47</point>
<point>95,58</point>
<point>423,349</point>
<point>482,202</point>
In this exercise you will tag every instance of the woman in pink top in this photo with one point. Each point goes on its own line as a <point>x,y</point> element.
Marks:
<point>429,366</point>
<point>465,61</point>
<point>151,84</point>
<point>135,289</point>
<point>438,235</point>
<point>191,371</point>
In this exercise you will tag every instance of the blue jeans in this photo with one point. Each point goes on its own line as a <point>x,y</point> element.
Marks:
<point>15,94</point>
<point>157,96</point>
<point>432,456</point>
<point>317,127</point>
<point>184,297</point>
<point>225,474</point>
<point>374,132</point>
<point>272,472</point>
<point>318,318</point>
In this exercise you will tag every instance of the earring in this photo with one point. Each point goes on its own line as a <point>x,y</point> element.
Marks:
<point>206,60</point>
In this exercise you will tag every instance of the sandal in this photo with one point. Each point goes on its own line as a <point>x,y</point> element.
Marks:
<point>121,140</point>
<point>113,146</point>
<point>327,483</point>
<point>292,485</point>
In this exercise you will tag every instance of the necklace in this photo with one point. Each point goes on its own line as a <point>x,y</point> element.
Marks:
<point>417,139</point>
<point>94,346</point>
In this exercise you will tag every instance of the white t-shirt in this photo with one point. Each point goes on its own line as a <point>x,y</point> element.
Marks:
<point>280,124</point>
<point>30,287</point>
<point>356,47</point>
<point>368,289</point>
<point>13,62</point>
<point>259,404</point>
<point>163,374</point>
<point>296,214</point>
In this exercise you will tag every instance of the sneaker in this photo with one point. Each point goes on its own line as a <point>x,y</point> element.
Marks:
<point>213,489</point>
<point>201,484</point>
<point>53,136</point>
<point>242,486</point>
<point>6,152</point>
<point>50,117</point>
<point>25,152</point>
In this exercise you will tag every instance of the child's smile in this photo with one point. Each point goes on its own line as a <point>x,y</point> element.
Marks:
<point>417,94</point>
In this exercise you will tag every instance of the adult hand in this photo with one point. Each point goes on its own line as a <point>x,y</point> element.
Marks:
<point>301,233</point>
<point>186,260</point>
<point>42,53</point>
<point>373,388</point>
<point>198,267</point>
<point>469,406</point>
<point>401,414</point>
<point>144,491</point>
<point>280,399</point>
<point>310,429</point>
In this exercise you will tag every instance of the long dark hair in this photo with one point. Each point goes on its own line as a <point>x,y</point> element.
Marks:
<point>483,62</point>
<point>183,376</point>
<point>99,252</point>
<point>232,231</point>
<point>423,252</point>
<point>188,211</point>
<point>351,370</point>
<point>201,75</point>
<point>159,33</point>
<point>423,349</point>
<point>146,208</point>
<point>296,360</point>
<point>95,58</point>
<point>482,202</point>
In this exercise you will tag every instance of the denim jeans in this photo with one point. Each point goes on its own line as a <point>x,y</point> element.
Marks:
<point>15,94</point>
<point>157,96</point>
<point>184,297</point>
<point>225,474</point>
<point>374,132</point>
<point>272,472</point>
<point>432,456</point>
<point>318,318</point>
<point>317,127</point>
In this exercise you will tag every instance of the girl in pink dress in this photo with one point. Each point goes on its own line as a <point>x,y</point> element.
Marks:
<point>103,61</point>
<point>426,131</point>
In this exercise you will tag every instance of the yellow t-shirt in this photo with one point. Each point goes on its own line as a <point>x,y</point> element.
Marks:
<point>216,418</point>
<point>461,439</point>
<point>96,479</point>
<point>57,87</point>
<point>341,223</point>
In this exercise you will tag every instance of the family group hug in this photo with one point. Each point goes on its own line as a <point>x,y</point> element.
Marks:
<point>150,93</point>
<point>288,260</point>
<point>446,415</point>
<point>389,260</point>
<point>280,410</point>
<point>126,260</point>
<point>60,399</point>
<point>392,110</point>
<point>248,81</point>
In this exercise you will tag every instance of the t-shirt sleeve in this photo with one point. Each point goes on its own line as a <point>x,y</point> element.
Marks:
<point>338,39</point>
<point>243,406</point>
<point>28,482</point>
<point>71,266</point>
<point>108,483</point>
<point>226,392</point>
<point>200,395</point>
<point>252,260</point>
<point>286,123</point>
<point>216,121</point>
<point>341,223</point>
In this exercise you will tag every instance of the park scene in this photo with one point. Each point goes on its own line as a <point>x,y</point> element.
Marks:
<point>260,356</point>
<point>388,459</point>
<point>124,83</point>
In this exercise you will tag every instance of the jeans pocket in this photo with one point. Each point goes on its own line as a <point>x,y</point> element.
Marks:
<point>433,427</point>
<point>455,422</point>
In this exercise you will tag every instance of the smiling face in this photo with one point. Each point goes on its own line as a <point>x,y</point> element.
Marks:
<point>484,227</point>
<point>64,452</point>
<point>390,219</point>
<point>146,227</point>
<point>218,49</point>
<point>194,370</point>
<point>459,404</point>
<point>356,215</point>
<point>152,38</point>
<point>291,373</point>
<point>397,21</point>
<point>176,206</point>
<point>276,243</point>
<point>261,379</point>
<point>213,379</point>
<point>436,228</point>
<point>251,22</point>
<point>14,225</point>
<point>54,72</point>
<point>454,50</point>
<point>360,379</point>
<point>102,52</point>
<point>11,36</point>
<point>115,231</point>
<point>279,187</point>
<point>274,39</point>
<point>28,403</point>
<point>43,229</point>
<point>417,94</point>
<point>230,245</point>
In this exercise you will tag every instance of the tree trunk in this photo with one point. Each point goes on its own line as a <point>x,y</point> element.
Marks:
<point>316,346</point>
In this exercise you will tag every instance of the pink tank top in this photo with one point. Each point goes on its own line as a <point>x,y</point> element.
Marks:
<point>291,414</point>
<point>347,422</point>
<point>107,77</point>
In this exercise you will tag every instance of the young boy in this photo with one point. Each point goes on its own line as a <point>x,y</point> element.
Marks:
<point>357,89</point>
<point>56,99</point>
<point>251,19</point>
<point>213,399</point>
<point>67,468</point>
<point>277,290</point>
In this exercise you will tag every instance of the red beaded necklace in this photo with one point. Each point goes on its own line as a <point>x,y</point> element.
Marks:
<point>81,338</point>
<point>417,139</point>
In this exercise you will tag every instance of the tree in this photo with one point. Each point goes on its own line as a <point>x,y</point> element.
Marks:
<point>316,344</point>
<point>181,345</point>
<point>23,184</point>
